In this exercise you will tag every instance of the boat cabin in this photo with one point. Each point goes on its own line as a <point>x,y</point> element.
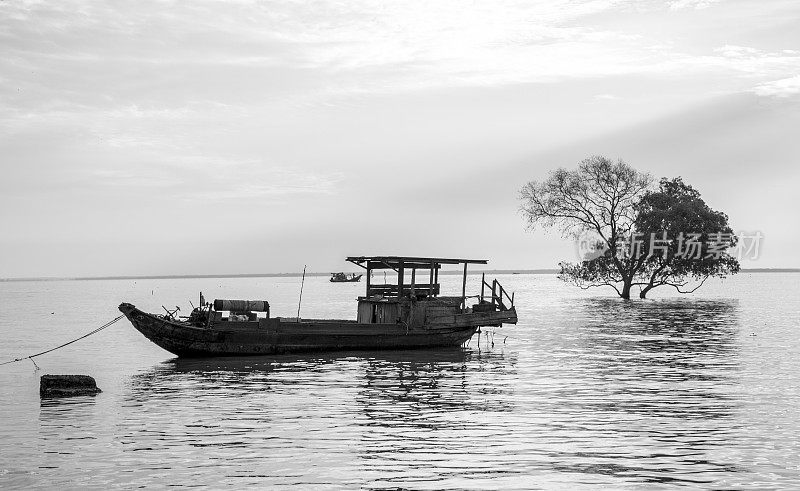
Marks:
<point>415,298</point>
<point>413,301</point>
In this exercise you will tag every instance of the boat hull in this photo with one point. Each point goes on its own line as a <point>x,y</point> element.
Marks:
<point>350,279</point>
<point>274,336</point>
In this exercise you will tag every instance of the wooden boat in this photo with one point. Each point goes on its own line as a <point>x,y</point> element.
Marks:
<point>390,316</point>
<point>344,278</point>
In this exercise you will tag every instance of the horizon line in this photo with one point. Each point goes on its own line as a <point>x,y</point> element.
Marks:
<point>298,274</point>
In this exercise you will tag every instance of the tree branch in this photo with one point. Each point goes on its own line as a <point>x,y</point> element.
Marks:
<point>679,285</point>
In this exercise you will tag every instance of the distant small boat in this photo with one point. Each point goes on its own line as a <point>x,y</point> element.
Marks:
<point>345,278</point>
<point>405,315</point>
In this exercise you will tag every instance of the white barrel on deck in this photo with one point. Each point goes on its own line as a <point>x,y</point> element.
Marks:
<point>242,305</point>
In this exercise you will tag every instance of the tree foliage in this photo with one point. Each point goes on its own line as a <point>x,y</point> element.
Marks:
<point>636,235</point>
<point>695,238</point>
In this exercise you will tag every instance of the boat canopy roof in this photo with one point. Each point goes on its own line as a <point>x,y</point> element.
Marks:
<point>408,262</point>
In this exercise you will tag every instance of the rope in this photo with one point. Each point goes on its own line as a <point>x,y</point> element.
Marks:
<point>505,336</point>
<point>31,357</point>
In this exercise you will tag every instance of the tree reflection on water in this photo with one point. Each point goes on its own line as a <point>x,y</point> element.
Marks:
<point>648,389</point>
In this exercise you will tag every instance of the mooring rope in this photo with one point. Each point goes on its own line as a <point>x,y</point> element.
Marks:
<point>505,336</point>
<point>31,357</point>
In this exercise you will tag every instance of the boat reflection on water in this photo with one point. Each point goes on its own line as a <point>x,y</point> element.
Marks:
<point>414,387</point>
<point>404,369</point>
<point>356,410</point>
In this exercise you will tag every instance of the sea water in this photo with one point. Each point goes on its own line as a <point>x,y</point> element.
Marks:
<point>586,390</point>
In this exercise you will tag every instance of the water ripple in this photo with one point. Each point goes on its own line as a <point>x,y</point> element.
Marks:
<point>585,392</point>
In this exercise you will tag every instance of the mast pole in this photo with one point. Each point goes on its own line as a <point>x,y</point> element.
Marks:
<point>302,283</point>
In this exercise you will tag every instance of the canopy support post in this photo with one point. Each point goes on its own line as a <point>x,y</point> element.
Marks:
<point>464,291</point>
<point>432,280</point>
<point>369,277</point>
<point>400,275</point>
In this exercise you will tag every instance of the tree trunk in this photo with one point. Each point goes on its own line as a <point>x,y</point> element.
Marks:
<point>626,289</point>
<point>643,293</point>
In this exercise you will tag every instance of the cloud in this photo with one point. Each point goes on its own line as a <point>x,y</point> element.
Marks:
<point>209,179</point>
<point>732,51</point>
<point>690,4</point>
<point>735,62</point>
<point>343,48</point>
<point>785,87</point>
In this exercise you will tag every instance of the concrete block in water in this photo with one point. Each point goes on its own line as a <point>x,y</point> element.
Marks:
<point>67,386</point>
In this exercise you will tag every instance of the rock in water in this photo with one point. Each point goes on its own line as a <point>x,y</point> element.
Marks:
<point>67,386</point>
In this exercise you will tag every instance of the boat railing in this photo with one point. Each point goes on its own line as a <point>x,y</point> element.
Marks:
<point>498,295</point>
<point>394,290</point>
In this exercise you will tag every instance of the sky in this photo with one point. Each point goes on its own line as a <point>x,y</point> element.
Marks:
<point>157,138</point>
